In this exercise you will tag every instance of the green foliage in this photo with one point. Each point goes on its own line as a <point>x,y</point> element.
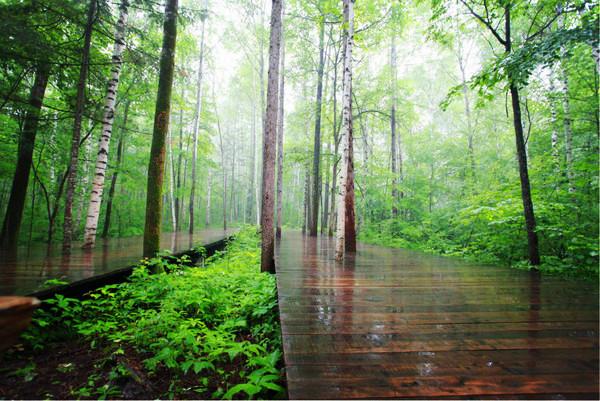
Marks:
<point>201,320</point>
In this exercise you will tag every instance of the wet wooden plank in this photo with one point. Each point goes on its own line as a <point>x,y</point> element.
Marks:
<point>390,323</point>
<point>435,386</point>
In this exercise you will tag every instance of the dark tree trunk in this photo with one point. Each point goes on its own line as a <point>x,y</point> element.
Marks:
<point>75,141</point>
<point>16,203</point>
<point>113,180</point>
<point>269,143</point>
<point>530,225</point>
<point>316,193</point>
<point>156,165</point>
<point>350,220</point>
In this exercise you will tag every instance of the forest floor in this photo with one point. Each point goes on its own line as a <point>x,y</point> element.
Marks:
<point>190,333</point>
<point>76,370</point>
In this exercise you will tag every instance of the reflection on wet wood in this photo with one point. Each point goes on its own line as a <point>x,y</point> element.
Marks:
<point>27,272</point>
<point>390,323</point>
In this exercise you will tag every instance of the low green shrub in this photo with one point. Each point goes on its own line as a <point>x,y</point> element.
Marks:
<point>220,320</point>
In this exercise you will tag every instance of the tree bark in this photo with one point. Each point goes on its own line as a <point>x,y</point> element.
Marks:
<point>196,126</point>
<point>530,224</point>
<point>280,136</point>
<point>156,165</point>
<point>79,106</point>
<point>345,210</point>
<point>316,191</point>
<point>269,142</point>
<point>91,225</point>
<point>16,202</point>
<point>115,175</point>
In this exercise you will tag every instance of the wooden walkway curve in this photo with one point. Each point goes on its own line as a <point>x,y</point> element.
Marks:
<point>391,323</point>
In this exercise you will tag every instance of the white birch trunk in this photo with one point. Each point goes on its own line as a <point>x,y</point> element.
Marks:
<point>346,127</point>
<point>91,224</point>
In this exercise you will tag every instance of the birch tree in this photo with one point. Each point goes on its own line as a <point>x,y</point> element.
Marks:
<point>91,224</point>
<point>345,216</point>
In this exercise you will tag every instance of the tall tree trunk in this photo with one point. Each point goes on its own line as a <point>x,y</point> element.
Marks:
<point>16,202</point>
<point>115,175</point>
<point>280,136</point>
<point>530,225</point>
<point>316,195</point>
<point>197,126</point>
<point>267,263</point>
<point>79,106</point>
<point>345,210</point>
<point>156,165</point>
<point>91,225</point>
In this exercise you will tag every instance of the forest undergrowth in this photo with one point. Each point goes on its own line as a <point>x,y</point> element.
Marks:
<point>491,236</point>
<point>185,332</point>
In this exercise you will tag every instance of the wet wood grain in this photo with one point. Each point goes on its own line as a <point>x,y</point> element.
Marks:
<point>391,323</point>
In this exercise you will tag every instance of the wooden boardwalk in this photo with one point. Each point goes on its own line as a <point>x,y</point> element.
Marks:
<point>390,323</point>
<point>38,263</point>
